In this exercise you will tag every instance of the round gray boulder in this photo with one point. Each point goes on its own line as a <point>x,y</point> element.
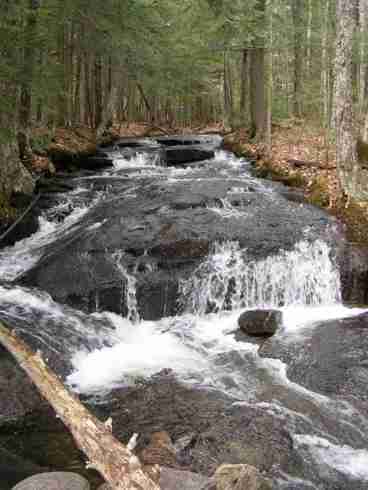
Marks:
<point>54,481</point>
<point>261,323</point>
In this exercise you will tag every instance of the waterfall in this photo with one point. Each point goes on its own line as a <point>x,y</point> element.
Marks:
<point>229,279</point>
<point>129,290</point>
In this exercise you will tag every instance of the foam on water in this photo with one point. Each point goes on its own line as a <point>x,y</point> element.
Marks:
<point>143,160</point>
<point>26,253</point>
<point>190,345</point>
<point>344,459</point>
<point>226,210</point>
<point>229,159</point>
<point>139,351</point>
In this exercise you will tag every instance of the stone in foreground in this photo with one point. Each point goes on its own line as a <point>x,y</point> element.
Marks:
<point>260,323</point>
<point>240,477</point>
<point>171,479</point>
<point>54,481</point>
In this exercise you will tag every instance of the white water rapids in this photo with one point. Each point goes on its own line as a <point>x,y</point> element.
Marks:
<point>198,345</point>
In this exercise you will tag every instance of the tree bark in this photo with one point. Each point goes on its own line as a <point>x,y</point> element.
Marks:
<point>257,90</point>
<point>257,76</point>
<point>298,13</point>
<point>98,91</point>
<point>25,108</point>
<point>244,86</point>
<point>227,93</point>
<point>325,85</point>
<point>114,461</point>
<point>346,154</point>
<point>269,77</point>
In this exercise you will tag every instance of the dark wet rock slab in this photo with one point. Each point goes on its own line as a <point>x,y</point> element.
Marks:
<point>220,432</point>
<point>169,227</point>
<point>178,155</point>
<point>330,358</point>
<point>96,162</point>
<point>354,275</point>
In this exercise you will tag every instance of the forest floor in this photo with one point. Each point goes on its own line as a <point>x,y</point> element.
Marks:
<point>301,157</point>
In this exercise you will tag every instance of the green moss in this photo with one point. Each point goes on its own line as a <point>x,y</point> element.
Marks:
<point>40,142</point>
<point>7,213</point>
<point>319,195</point>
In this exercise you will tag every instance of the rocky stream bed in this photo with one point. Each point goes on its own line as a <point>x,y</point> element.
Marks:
<point>132,287</point>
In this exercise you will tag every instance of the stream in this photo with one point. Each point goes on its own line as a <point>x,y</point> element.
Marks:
<point>132,288</point>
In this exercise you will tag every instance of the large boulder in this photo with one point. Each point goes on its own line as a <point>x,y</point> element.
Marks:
<point>354,274</point>
<point>180,155</point>
<point>260,323</point>
<point>16,192</point>
<point>219,431</point>
<point>160,235</point>
<point>54,481</point>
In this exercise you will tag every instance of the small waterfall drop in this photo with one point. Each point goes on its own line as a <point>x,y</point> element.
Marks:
<point>228,279</point>
<point>129,291</point>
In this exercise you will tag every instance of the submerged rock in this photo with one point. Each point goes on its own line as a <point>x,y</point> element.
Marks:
<point>260,323</point>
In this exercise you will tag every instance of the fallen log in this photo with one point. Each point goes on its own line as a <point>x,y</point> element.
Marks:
<point>152,128</point>
<point>120,468</point>
<point>20,218</point>
<point>306,163</point>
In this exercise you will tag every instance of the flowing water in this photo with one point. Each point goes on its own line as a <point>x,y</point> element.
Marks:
<point>101,351</point>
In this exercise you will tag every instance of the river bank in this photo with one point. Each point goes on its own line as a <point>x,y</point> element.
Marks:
<point>302,157</point>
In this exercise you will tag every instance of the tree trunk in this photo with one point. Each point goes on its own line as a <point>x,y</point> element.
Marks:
<point>298,11</point>
<point>356,53</point>
<point>25,107</point>
<point>363,26</point>
<point>244,86</point>
<point>257,76</point>
<point>346,155</point>
<point>146,102</point>
<point>269,83</point>
<point>114,461</point>
<point>257,90</point>
<point>88,107</point>
<point>227,93</point>
<point>98,91</point>
<point>325,85</point>
<point>309,39</point>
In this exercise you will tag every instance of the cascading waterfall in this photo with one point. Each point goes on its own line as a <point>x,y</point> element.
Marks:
<point>226,209</point>
<point>227,279</point>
